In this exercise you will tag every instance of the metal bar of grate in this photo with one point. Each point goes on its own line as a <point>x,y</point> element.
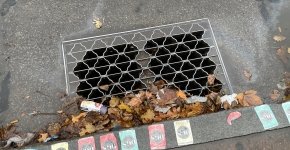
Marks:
<point>181,54</point>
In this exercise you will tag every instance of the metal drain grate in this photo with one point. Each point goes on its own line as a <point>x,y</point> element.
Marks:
<point>181,54</point>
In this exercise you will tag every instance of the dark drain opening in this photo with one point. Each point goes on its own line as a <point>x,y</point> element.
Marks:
<point>180,60</point>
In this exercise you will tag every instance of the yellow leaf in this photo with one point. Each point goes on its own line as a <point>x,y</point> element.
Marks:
<point>181,94</point>
<point>43,137</point>
<point>279,38</point>
<point>14,121</point>
<point>288,50</point>
<point>124,106</point>
<point>114,101</point>
<point>76,118</point>
<point>148,115</point>
<point>89,129</point>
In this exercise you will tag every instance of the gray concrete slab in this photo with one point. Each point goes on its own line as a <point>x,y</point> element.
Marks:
<point>243,30</point>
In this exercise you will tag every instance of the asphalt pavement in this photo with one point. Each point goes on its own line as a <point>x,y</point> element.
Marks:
<point>31,32</point>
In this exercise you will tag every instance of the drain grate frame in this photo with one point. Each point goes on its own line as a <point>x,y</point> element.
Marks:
<point>182,54</point>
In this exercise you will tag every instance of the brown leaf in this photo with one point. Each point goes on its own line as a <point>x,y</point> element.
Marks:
<point>181,94</point>
<point>76,118</point>
<point>114,101</point>
<point>166,95</point>
<point>127,116</point>
<point>282,55</point>
<point>135,102</point>
<point>104,87</point>
<point>248,92</point>
<point>251,99</point>
<point>149,115</point>
<point>210,79</point>
<point>88,129</point>
<point>287,92</point>
<point>274,95</point>
<point>248,74</point>
<point>226,105</point>
<point>279,38</point>
<point>14,121</point>
<point>43,137</point>
<point>114,111</point>
<point>159,83</point>
<point>152,88</point>
<point>53,129</point>
<point>195,109</point>
<point>125,124</point>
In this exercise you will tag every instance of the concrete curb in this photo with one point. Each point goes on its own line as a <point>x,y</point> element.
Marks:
<point>205,128</point>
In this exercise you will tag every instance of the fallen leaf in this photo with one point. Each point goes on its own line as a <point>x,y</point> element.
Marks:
<point>248,92</point>
<point>181,94</point>
<point>287,92</point>
<point>124,106</point>
<point>43,137</point>
<point>210,79</point>
<point>114,101</point>
<point>226,105</point>
<point>251,99</point>
<point>248,74</point>
<point>166,96</point>
<point>288,50</point>
<point>149,115</point>
<point>22,114</point>
<point>279,38</point>
<point>76,118</point>
<point>274,95</point>
<point>59,112</point>
<point>104,87</point>
<point>14,121</point>
<point>127,116</point>
<point>152,88</point>
<point>286,74</point>
<point>195,109</point>
<point>27,97</point>
<point>53,129</point>
<point>281,54</point>
<point>159,83</point>
<point>135,102</point>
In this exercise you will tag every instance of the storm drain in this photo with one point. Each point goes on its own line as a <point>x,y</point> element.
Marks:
<point>181,54</point>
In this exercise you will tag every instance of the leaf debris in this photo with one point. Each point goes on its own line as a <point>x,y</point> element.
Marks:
<point>279,38</point>
<point>247,74</point>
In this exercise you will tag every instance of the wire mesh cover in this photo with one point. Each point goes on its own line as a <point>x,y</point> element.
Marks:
<point>181,54</point>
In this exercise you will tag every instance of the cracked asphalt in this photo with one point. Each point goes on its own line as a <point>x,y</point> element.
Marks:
<point>243,31</point>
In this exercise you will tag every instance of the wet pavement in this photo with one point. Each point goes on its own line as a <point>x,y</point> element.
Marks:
<point>243,30</point>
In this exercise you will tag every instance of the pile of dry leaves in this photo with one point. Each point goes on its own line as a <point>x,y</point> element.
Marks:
<point>157,104</point>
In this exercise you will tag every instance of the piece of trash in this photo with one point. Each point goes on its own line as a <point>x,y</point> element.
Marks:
<point>50,138</point>
<point>92,106</point>
<point>279,28</point>
<point>98,23</point>
<point>27,97</point>
<point>279,38</point>
<point>194,99</point>
<point>163,110</point>
<point>248,74</point>
<point>20,141</point>
<point>229,98</point>
<point>233,116</point>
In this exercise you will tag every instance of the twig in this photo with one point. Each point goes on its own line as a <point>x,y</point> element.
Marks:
<point>118,87</point>
<point>42,93</point>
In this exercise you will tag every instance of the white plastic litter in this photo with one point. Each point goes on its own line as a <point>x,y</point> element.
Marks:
<point>229,98</point>
<point>194,99</point>
<point>163,110</point>
<point>18,140</point>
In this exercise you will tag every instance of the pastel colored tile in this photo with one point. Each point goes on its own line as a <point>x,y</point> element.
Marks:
<point>266,116</point>
<point>157,136</point>
<point>128,140</point>
<point>108,142</point>
<point>87,143</point>
<point>183,132</point>
<point>60,146</point>
<point>286,108</point>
